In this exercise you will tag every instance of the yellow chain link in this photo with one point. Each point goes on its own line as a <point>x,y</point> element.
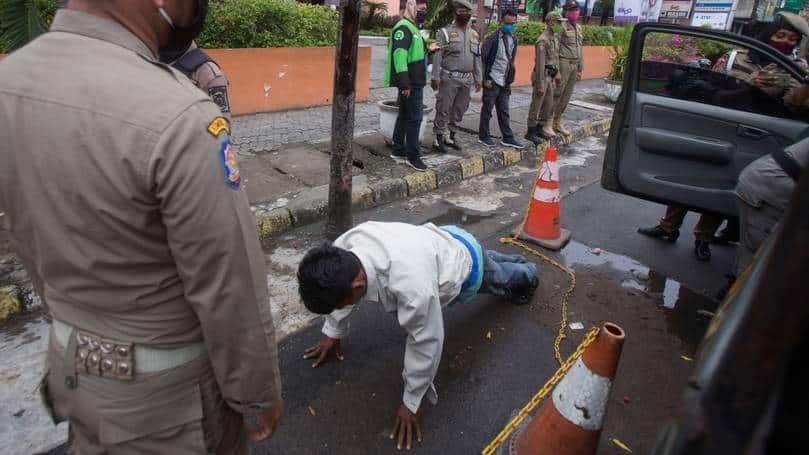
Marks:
<point>564,366</point>
<point>532,404</point>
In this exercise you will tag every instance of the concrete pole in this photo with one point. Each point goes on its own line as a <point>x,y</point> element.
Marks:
<point>342,120</point>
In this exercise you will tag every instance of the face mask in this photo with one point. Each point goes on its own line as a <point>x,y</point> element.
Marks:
<point>556,28</point>
<point>782,46</point>
<point>421,16</point>
<point>508,28</point>
<point>572,16</point>
<point>463,19</point>
<point>181,37</point>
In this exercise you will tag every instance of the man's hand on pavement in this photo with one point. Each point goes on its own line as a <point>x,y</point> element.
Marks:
<point>403,426</point>
<point>434,84</point>
<point>267,421</point>
<point>322,349</point>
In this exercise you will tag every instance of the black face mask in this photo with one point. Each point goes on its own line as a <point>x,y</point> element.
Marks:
<point>463,19</point>
<point>421,16</point>
<point>181,37</point>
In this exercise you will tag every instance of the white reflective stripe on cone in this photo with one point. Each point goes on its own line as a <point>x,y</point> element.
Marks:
<point>581,397</point>
<point>550,171</point>
<point>549,195</point>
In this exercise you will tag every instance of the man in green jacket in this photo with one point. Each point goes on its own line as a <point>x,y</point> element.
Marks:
<point>406,70</point>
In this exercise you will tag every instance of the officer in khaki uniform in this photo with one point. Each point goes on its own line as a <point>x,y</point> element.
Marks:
<point>126,207</point>
<point>204,72</point>
<point>456,68</point>
<point>544,78</point>
<point>571,63</point>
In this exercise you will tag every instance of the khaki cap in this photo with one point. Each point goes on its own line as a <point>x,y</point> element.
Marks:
<point>464,4</point>
<point>797,22</point>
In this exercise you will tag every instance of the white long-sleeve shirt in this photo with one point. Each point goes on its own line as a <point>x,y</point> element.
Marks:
<point>412,271</point>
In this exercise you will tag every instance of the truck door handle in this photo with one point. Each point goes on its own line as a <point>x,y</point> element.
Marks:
<point>751,132</point>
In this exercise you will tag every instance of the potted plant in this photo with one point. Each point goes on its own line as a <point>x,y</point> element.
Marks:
<point>619,49</point>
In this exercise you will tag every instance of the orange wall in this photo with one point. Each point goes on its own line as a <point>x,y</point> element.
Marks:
<point>277,79</point>
<point>596,63</point>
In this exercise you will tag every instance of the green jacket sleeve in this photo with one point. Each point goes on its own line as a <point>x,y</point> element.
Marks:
<point>402,38</point>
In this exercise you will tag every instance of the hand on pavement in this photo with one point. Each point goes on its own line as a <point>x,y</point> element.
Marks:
<point>404,425</point>
<point>267,421</point>
<point>322,349</point>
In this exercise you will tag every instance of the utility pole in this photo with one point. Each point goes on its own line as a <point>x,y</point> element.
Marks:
<point>481,21</point>
<point>342,120</point>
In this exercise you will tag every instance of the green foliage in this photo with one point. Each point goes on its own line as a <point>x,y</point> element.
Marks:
<point>619,47</point>
<point>439,14</point>
<point>710,49</point>
<point>268,23</point>
<point>527,32</point>
<point>373,15</point>
<point>23,20</point>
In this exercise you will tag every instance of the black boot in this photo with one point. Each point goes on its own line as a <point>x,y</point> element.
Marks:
<point>728,235</point>
<point>439,145</point>
<point>531,134</point>
<point>702,249</point>
<point>452,142</point>
<point>660,233</point>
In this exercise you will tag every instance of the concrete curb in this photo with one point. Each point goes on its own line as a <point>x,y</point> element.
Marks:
<point>280,220</point>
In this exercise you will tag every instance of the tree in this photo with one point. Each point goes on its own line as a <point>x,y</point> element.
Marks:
<point>23,20</point>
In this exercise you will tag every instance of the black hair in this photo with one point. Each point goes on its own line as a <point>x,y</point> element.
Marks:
<point>765,34</point>
<point>324,277</point>
<point>509,12</point>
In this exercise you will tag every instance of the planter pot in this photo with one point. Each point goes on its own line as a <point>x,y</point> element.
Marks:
<point>613,89</point>
<point>388,111</point>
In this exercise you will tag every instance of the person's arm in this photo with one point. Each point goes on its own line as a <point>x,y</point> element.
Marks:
<point>337,324</point>
<point>401,49</point>
<point>539,64</point>
<point>440,39</point>
<point>478,66</point>
<point>213,82</point>
<point>212,237</point>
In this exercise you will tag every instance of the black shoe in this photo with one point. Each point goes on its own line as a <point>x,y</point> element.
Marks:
<point>398,158</point>
<point>702,249</point>
<point>522,296</point>
<point>452,142</point>
<point>512,142</point>
<point>488,141</point>
<point>439,145</point>
<point>417,164</point>
<point>659,233</point>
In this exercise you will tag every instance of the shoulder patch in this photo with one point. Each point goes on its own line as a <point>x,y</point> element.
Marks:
<point>399,35</point>
<point>219,95</point>
<point>218,125</point>
<point>229,166</point>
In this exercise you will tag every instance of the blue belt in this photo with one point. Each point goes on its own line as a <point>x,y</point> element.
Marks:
<point>473,276</point>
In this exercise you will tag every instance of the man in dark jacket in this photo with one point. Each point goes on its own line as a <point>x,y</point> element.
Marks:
<point>498,74</point>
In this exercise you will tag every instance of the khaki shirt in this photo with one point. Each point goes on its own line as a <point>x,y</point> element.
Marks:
<point>740,65</point>
<point>570,44</point>
<point>460,51</point>
<point>210,78</point>
<point>125,203</point>
<point>547,54</point>
<point>413,272</point>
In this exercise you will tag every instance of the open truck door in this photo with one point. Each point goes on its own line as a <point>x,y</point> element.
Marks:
<point>693,112</point>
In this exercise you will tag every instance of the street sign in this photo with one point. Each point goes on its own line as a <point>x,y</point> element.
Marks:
<point>675,9</point>
<point>712,13</point>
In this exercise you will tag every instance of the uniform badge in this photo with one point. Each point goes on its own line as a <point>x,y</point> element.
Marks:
<point>219,95</point>
<point>228,157</point>
<point>218,125</point>
<point>453,34</point>
<point>399,35</point>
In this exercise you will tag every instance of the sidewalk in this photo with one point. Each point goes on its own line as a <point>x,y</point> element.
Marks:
<point>284,156</point>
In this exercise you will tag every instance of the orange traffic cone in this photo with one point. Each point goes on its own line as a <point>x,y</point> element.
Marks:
<point>570,422</point>
<point>542,223</point>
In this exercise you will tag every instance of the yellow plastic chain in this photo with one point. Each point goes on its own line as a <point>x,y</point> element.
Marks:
<point>532,404</point>
<point>564,366</point>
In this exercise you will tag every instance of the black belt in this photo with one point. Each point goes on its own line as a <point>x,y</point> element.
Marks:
<point>787,163</point>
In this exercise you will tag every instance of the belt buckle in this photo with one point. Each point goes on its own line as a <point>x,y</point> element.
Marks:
<point>104,357</point>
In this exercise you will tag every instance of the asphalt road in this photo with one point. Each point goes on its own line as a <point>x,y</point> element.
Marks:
<point>654,291</point>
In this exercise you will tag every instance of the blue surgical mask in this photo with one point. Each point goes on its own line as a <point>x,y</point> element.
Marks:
<point>508,28</point>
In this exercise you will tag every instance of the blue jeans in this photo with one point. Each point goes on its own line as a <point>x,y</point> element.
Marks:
<point>504,273</point>
<point>408,124</point>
